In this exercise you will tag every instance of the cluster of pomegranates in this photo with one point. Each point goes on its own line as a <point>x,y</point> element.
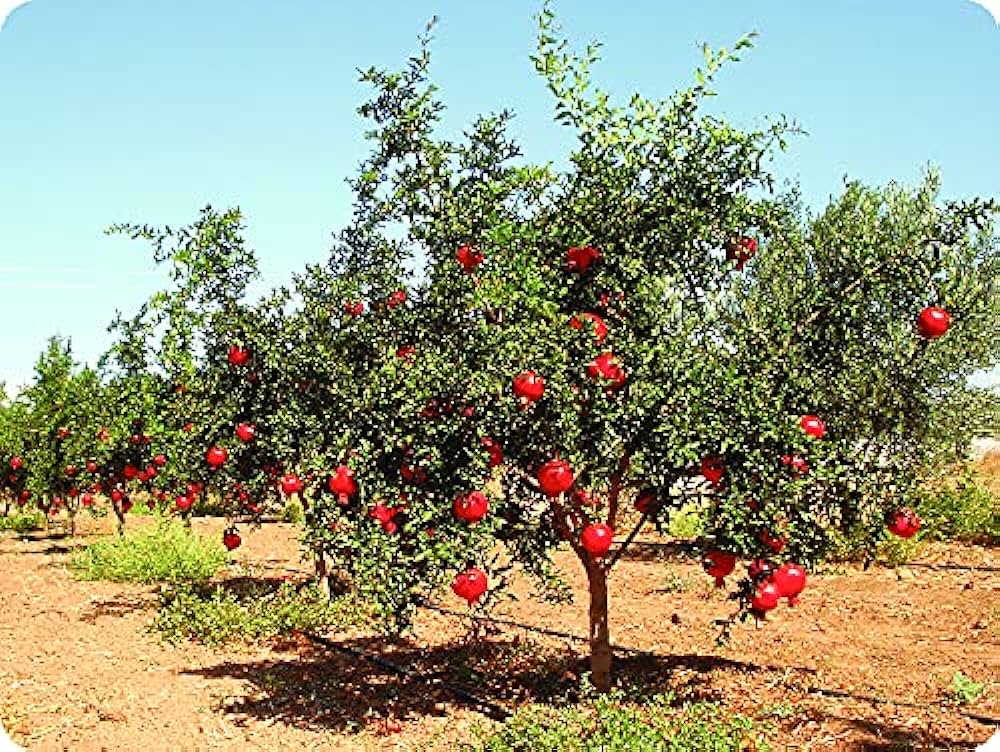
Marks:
<point>770,585</point>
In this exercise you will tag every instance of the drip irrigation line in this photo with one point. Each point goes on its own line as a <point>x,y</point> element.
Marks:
<point>875,699</point>
<point>529,628</point>
<point>490,709</point>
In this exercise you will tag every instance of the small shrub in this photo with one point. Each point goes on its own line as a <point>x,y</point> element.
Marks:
<point>893,551</point>
<point>22,523</point>
<point>217,615</point>
<point>293,512</point>
<point>165,552</point>
<point>609,725</point>
<point>675,583</point>
<point>687,522</point>
<point>210,505</point>
<point>964,690</point>
<point>967,511</point>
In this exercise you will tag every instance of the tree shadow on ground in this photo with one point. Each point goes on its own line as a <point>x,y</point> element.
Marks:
<point>119,605</point>
<point>674,551</point>
<point>324,689</point>
<point>59,546</point>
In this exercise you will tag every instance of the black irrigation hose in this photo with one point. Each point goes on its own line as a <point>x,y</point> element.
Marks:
<point>490,709</point>
<point>538,630</point>
<point>875,699</point>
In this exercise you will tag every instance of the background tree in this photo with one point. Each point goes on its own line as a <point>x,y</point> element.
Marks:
<point>61,404</point>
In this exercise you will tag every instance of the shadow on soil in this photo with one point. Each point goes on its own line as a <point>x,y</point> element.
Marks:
<point>663,551</point>
<point>324,689</point>
<point>120,605</point>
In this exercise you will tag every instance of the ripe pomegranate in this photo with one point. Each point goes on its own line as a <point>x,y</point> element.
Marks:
<point>188,427</point>
<point>87,499</point>
<point>407,353</point>
<point>494,449</point>
<point>529,387</point>
<point>103,435</point>
<point>238,356</point>
<point>216,457</point>
<point>766,596</point>
<point>472,507</point>
<point>607,367</point>
<point>646,501</point>
<point>246,432</point>
<point>600,328</point>
<point>713,468</point>
<point>791,580</point>
<point>291,484</point>
<point>904,522</point>
<point>184,502</point>
<point>596,539</point>
<point>62,432</point>
<point>741,250</point>
<point>933,322</point>
<point>719,564</point>
<point>117,495</point>
<point>342,484</point>
<point>91,466</point>
<point>469,258</point>
<point>774,542</point>
<point>16,463</point>
<point>579,259</point>
<point>470,584</point>
<point>396,298</point>
<point>584,498</point>
<point>385,515</point>
<point>231,539</point>
<point>131,472</point>
<point>160,460</point>
<point>798,465</point>
<point>416,476</point>
<point>813,426</point>
<point>759,569</point>
<point>71,471</point>
<point>354,308</point>
<point>555,477</point>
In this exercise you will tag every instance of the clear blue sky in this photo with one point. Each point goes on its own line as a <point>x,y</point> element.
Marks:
<point>117,110</point>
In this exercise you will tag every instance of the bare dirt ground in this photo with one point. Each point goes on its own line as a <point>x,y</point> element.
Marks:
<point>864,662</point>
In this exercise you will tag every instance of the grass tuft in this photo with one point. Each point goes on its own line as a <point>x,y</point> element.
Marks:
<point>609,724</point>
<point>165,552</point>
<point>218,615</point>
<point>21,523</point>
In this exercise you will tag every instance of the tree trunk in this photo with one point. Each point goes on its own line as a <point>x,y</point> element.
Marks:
<point>600,638</point>
<point>72,524</point>
<point>121,520</point>
<point>322,572</point>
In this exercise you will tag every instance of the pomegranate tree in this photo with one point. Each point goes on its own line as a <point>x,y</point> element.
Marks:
<point>676,364</point>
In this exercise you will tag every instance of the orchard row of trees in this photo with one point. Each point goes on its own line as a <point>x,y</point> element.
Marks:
<point>500,357</point>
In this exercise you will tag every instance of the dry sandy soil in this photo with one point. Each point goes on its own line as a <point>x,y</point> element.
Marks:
<point>864,662</point>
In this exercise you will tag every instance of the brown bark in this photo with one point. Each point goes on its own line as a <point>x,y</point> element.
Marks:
<point>600,637</point>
